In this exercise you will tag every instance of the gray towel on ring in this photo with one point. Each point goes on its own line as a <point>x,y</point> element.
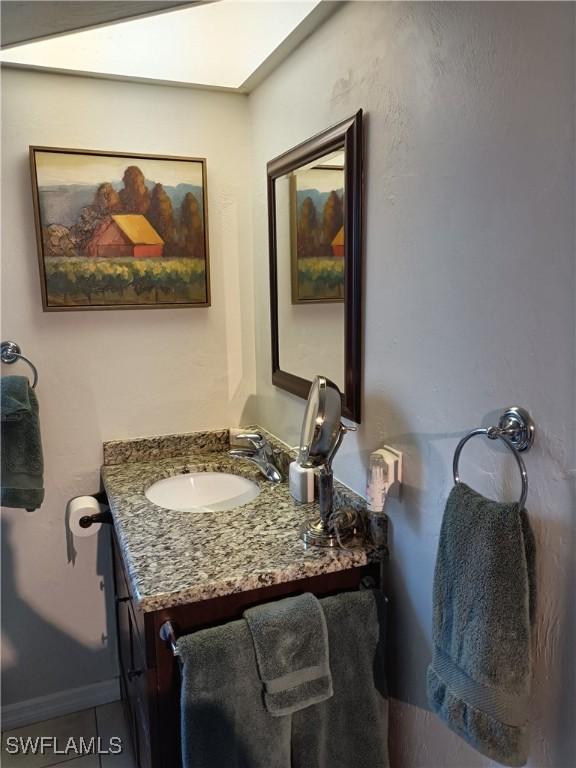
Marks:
<point>483,606</point>
<point>291,645</point>
<point>22,464</point>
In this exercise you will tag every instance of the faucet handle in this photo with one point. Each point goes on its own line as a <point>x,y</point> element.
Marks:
<point>252,437</point>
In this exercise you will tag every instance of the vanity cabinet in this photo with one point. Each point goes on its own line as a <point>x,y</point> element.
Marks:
<point>192,586</point>
<point>150,674</point>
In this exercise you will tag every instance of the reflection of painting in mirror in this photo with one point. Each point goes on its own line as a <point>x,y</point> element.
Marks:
<point>317,241</point>
<point>120,230</point>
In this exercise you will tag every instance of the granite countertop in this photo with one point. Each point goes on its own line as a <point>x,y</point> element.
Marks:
<point>174,557</point>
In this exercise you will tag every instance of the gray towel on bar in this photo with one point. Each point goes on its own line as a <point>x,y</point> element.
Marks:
<point>483,603</point>
<point>22,465</point>
<point>225,724</point>
<point>349,730</point>
<point>291,645</point>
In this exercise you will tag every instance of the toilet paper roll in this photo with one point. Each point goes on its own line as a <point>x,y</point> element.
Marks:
<point>79,507</point>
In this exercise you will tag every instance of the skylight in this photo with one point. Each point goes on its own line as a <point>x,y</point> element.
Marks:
<point>219,44</point>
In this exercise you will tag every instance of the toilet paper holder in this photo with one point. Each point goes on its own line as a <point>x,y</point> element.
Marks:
<point>100,517</point>
<point>105,516</point>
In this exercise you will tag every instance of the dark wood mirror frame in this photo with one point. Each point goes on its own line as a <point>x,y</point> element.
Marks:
<point>346,135</point>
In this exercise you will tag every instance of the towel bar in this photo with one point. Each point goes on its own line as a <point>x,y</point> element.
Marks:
<point>168,630</point>
<point>168,634</point>
<point>515,429</point>
<point>10,352</point>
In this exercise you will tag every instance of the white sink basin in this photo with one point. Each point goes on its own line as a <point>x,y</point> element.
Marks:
<point>202,492</point>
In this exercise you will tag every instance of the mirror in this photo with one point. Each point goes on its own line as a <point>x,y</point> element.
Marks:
<point>314,220</point>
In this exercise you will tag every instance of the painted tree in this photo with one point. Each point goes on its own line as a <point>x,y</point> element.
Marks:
<point>58,241</point>
<point>134,196</point>
<point>161,216</point>
<point>191,227</point>
<point>332,221</point>
<point>89,219</point>
<point>107,200</point>
<point>307,229</point>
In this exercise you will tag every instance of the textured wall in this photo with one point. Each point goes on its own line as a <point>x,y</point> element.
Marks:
<point>112,374</point>
<point>468,300</point>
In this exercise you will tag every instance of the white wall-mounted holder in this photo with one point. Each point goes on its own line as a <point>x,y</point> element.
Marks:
<point>393,459</point>
<point>384,477</point>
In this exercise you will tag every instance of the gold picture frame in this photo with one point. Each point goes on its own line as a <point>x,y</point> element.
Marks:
<point>317,258</point>
<point>120,230</point>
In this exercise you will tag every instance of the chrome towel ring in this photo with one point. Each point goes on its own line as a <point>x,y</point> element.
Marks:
<point>10,352</point>
<point>515,429</point>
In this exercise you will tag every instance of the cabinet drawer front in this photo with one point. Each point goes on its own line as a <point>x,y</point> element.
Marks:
<point>134,696</point>
<point>132,657</point>
<point>124,629</point>
<point>124,596</point>
<point>138,697</point>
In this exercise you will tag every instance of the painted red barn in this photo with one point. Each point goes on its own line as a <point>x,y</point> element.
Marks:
<point>123,235</point>
<point>338,243</point>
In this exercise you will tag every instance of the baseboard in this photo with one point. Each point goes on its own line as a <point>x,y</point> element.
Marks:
<point>58,704</point>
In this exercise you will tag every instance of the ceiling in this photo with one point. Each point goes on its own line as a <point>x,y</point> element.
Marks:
<point>26,20</point>
<point>230,44</point>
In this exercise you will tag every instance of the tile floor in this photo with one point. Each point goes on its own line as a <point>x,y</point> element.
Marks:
<point>104,722</point>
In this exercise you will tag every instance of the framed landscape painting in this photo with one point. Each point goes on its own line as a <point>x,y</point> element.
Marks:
<point>317,240</point>
<point>120,231</point>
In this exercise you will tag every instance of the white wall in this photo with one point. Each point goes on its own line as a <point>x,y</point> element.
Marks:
<point>112,374</point>
<point>468,301</point>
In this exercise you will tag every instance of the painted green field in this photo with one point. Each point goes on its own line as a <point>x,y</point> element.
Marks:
<point>320,278</point>
<point>91,281</point>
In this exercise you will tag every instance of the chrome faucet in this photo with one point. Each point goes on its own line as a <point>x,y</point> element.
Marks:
<point>260,454</point>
